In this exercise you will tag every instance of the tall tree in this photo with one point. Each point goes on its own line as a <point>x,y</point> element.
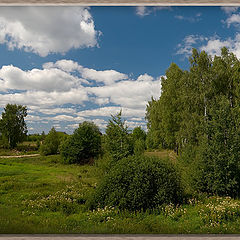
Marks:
<point>12,124</point>
<point>118,141</point>
<point>199,111</point>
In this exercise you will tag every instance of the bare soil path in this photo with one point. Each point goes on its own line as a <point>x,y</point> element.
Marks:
<point>20,156</point>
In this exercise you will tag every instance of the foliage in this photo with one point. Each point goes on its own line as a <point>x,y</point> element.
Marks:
<point>83,145</point>
<point>138,182</point>
<point>139,147</point>
<point>139,139</point>
<point>138,133</point>
<point>118,141</point>
<point>197,115</point>
<point>218,152</point>
<point>12,124</point>
<point>50,144</point>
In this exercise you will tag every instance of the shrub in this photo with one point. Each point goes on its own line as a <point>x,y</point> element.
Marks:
<point>83,145</point>
<point>50,144</point>
<point>138,183</point>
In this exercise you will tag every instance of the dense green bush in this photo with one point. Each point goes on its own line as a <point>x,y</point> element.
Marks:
<point>138,183</point>
<point>83,145</point>
<point>50,144</point>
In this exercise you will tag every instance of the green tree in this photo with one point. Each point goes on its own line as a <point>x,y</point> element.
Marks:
<point>138,133</point>
<point>118,141</point>
<point>139,147</point>
<point>139,140</point>
<point>164,115</point>
<point>83,145</point>
<point>218,154</point>
<point>51,143</point>
<point>12,124</point>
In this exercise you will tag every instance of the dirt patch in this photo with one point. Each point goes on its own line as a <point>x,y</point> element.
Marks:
<point>21,156</point>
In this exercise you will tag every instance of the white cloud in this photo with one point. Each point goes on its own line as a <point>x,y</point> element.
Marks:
<point>185,48</point>
<point>52,111</point>
<point>72,126</point>
<point>106,76</point>
<point>113,110</point>
<point>214,46</point>
<point>133,124</point>
<point>233,19</point>
<point>45,30</point>
<point>48,80</point>
<point>229,10</point>
<point>65,65</point>
<point>51,94</point>
<point>195,18</point>
<point>144,11</point>
<point>45,99</point>
<point>130,93</point>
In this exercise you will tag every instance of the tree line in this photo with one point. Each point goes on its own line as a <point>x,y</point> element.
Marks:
<point>83,145</point>
<point>198,115</point>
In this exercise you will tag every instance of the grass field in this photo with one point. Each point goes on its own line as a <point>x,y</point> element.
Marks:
<point>41,195</point>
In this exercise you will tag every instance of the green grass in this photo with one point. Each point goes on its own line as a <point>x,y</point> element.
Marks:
<point>41,195</point>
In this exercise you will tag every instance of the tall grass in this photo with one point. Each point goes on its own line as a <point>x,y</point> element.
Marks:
<point>42,195</point>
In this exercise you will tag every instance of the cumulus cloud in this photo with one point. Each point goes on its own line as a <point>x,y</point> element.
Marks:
<point>44,99</point>
<point>45,30</point>
<point>106,76</point>
<point>129,93</point>
<point>37,79</point>
<point>211,45</point>
<point>57,93</point>
<point>214,46</point>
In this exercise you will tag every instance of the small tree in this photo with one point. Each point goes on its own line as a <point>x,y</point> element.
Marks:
<point>12,124</point>
<point>139,139</point>
<point>138,133</point>
<point>83,145</point>
<point>50,144</point>
<point>118,141</point>
<point>139,147</point>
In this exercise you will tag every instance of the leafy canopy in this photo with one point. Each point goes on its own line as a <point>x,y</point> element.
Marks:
<point>83,145</point>
<point>12,124</point>
<point>51,143</point>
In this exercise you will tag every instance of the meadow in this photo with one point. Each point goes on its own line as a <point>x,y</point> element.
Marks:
<point>42,195</point>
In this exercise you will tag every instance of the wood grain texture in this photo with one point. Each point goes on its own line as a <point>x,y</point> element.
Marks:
<point>122,2</point>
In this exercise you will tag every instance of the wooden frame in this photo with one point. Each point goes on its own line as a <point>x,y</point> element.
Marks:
<point>118,3</point>
<point>123,2</point>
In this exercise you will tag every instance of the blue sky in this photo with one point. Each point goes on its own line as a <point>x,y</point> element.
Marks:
<point>72,64</point>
